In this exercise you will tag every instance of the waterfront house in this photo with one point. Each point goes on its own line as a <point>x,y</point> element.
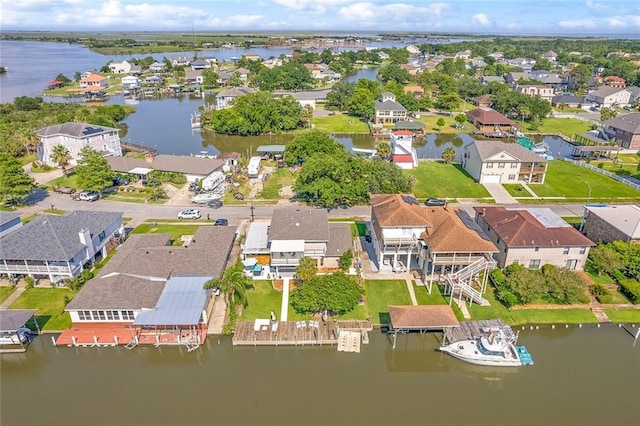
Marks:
<point>608,96</point>
<point>294,233</point>
<point>94,81</point>
<point>409,236</point>
<point>9,222</point>
<point>387,110</point>
<point>226,97</point>
<point>605,224</point>
<point>135,69</point>
<point>403,154</point>
<point>306,97</point>
<point>123,67</point>
<point>75,136</point>
<point>153,80</point>
<point>58,247</point>
<point>625,129</point>
<point>533,237</point>
<point>413,49</point>
<point>194,168</point>
<point>193,77</point>
<point>200,64</point>
<point>180,61</point>
<point>488,120</point>
<point>500,162</point>
<point>251,56</point>
<point>540,90</point>
<point>130,82</point>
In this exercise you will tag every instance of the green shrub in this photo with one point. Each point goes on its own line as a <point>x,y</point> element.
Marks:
<point>605,299</point>
<point>601,165</point>
<point>507,298</point>
<point>30,282</point>
<point>599,290</point>
<point>499,279</point>
<point>630,288</point>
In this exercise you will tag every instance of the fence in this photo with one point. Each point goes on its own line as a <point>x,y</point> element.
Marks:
<point>627,181</point>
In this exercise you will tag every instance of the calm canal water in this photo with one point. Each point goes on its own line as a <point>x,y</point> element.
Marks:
<point>581,376</point>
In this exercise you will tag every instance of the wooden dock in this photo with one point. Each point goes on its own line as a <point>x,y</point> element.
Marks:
<point>471,330</point>
<point>296,333</point>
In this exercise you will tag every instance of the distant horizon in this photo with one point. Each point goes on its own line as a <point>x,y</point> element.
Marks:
<point>569,18</point>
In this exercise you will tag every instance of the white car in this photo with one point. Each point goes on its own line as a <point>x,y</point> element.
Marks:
<point>88,196</point>
<point>189,214</point>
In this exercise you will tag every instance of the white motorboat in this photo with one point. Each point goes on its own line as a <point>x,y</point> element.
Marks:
<point>20,336</point>
<point>493,348</point>
<point>205,198</point>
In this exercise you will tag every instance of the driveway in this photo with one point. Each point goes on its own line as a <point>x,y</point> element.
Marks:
<point>500,194</point>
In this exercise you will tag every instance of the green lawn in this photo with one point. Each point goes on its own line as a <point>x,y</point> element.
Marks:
<point>382,293</point>
<point>50,303</point>
<point>445,181</point>
<point>551,316</point>
<point>70,181</point>
<point>26,159</point>
<point>567,126</point>
<point>603,279</point>
<point>516,190</point>
<point>5,291</point>
<point>176,231</point>
<point>564,179</point>
<point>626,166</point>
<point>340,123</point>
<point>278,179</point>
<point>495,310</point>
<point>261,300</point>
<point>424,298</point>
<point>449,127</point>
<point>630,316</point>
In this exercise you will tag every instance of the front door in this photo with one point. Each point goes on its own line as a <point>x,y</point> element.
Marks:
<point>571,264</point>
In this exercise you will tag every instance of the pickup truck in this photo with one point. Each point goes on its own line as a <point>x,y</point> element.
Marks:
<point>87,196</point>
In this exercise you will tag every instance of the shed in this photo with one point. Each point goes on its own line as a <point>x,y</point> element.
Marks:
<point>271,150</point>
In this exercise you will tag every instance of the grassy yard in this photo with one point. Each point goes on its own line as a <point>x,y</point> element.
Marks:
<point>382,293</point>
<point>626,166</point>
<point>424,298</point>
<point>70,181</point>
<point>445,181</point>
<point>449,127</point>
<point>5,291</point>
<point>516,190</point>
<point>261,300</point>
<point>50,303</point>
<point>26,159</point>
<point>629,316</point>
<point>551,316</point>
<point>340,123</point>
<point>278,179</point>
<point>567,126</point>
<point>564,179</point>
<point>176,231</point>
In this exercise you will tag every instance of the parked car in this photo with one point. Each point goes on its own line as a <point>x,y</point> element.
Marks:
<point>435,202</point>
<point>120,181</point>
<point>189,214</point>
<point>150,182</point>
<point>88,196</point>
<point>215,204</point>
<point>221,222</point>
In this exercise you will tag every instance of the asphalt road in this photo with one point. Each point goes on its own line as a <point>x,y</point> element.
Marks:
<point>42,200</point>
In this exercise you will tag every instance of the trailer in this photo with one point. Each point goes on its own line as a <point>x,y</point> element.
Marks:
<point>253,169</point>
<point>212,181</point>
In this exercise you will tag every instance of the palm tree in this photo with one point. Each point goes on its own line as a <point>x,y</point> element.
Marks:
<point>449,154</point>
<point>307,269</point>
<point>29,139</point>
<point>61,157</point>
<point>384,149</point>
<point>233,283</point>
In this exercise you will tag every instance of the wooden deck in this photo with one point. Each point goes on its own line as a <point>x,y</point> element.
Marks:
<point>256,333</point>
<point>470,330</point>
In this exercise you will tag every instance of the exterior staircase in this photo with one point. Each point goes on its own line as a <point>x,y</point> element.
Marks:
<point>460,282</point>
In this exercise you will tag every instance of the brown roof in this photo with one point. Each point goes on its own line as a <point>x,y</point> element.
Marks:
<point>535,228</point>
<point>422,317</point>
<point>299,223</point>
<point>444,230</point>
<point>489,116</point>
<point>168,163</point>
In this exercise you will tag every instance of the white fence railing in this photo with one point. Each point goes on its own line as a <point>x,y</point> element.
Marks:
<point>622,179</point>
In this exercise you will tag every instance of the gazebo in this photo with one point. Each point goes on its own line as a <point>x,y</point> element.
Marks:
<point>407,318</point>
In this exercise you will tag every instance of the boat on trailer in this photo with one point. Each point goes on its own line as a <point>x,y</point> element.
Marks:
<point>495,347</point>
<point>21,335</point>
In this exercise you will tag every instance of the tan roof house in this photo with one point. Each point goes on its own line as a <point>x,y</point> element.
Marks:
<point>194,168</point>
<point>500,162</point>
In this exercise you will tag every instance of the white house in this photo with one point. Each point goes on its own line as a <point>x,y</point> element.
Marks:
<point>225,98</point>
<point>131,82</point>
<point>608,96</point>
<point>387,110</point>
<point>403,154</point>
<point>75,136</point>
<point>123,67</point>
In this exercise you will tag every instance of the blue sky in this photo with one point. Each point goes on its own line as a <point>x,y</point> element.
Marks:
<point>464,16</point>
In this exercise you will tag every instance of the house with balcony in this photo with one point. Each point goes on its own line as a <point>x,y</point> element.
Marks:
<point>605,224</point>
<point>608,96</point>
<point>432,240</point>
<point>180,61</point>
<point>625,129</point>
<point>387,110</point>
<point>194,76</point>
<point>533,237</point>
<point>58,247</point>
<point>540,90</point>
<point>131,82</point>
<point>500,162</point>
<point>94,81</point>
<point>488,120</point>
<point>75,136</point>
<point>293,233</point>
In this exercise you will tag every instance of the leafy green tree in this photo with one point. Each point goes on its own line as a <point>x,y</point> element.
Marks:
<point>398,56</point>
<point>346,260</point>
<point>25,103</point>
<point>460,120</point>
<point>210,78</point>
<point>15,184</point>
<point>450,101</point>
<point>235,80</point>
<point>61,157</point>
<point>93,171</point>
<point>335,293</point>
<point>307,268</point>
<point>607,114</point>
<point>440,123</point>
<point>580,76</point>
<point>393,72</point>
<point>630,255</point>
<point>63,78</point>
<point>303,146</point>
<point>543,64</point>
<point>449,154</point>
<point>384,149</point>
<point>340,95</point>
<point>234,284</point>
<point>362,103</point>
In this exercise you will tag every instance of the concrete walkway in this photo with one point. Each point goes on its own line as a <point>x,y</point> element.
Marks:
<point>529,190</point>
<point>44,177</point>
<point>412,293</point>
<point>216,322</point>
<point>463,308</point>
<point>500,194</point>
<point>20,288</point>
<point>284,309</point>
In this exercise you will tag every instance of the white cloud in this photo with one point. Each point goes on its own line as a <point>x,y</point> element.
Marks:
<point>482,19</point>
<point>631,22</point>
<point>598,6</point>
<point>400,14</point>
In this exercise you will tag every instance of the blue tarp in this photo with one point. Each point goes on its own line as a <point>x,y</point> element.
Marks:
<point>257,268</point>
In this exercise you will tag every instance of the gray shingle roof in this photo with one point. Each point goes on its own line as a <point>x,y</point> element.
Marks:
<point>168,163</point>
<point>628,122</point>
<point>487,149</point>
<point>52,237</point>
<point>299,223</point>
<point>339,239</point>
<point>76,130</point>
<point>388,106</point>
<point>567,99</point>
<point>605,91</point>
<point>118,292</point>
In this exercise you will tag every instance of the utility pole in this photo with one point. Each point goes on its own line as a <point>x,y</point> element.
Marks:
<point>252,208</point>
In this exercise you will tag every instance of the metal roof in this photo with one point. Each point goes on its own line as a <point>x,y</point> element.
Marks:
<point>13,319</point>
<point>181,303</point>
<point>257,238</point>
<point>270,148</point>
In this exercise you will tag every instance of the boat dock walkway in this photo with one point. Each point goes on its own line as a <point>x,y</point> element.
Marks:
<point>471,330</point>
<point>275,333</point>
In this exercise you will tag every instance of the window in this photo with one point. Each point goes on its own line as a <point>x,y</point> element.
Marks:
<point>94,315</point>
<point>583,250</point>
<point>489,165</point>
<point>102,236</point>
<point>512,177</point>
<point>566,250</point>
<point>101,316</point>
<point>84,315</point>
<point>113,315</point>
<point>514,165</point>
<point>501,165</point>
<point>537,249</point>
<point>534,264</point>
<point>127,315</point>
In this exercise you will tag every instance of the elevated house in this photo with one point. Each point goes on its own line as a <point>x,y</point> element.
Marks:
<point>488,120</point>
<point>625,129</point>
<point>194,168</point>
<point>94,81</point>
<point>387,110</point>
<point>226,97</point>
<point>605,224</point>
<point>180,61</point>
<point>193,76</point>
<point>533,237</point>
<point>200,64</point>
<point>500,162</point>
<point>409,236</point>
<point>157,67</point>
<point>58,247</point>
<point>131,82</point>
<point>75,136</point>
<point>403,154</point>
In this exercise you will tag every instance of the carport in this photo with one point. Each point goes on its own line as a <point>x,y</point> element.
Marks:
<point>407,318</point>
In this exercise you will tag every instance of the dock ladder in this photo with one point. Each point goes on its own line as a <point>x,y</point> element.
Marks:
<point>192,343</point>
<point>132,344</point>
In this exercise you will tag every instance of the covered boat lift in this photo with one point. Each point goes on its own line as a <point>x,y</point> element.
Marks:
<point>12,321</point>
<point>423,318</point>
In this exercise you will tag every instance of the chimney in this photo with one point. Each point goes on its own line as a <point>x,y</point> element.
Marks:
<point>148,158</point>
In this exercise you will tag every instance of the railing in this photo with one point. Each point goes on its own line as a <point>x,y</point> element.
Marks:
<point>285,262</point>
<point>457,280</point>
<point>456,260</point>
<point>621,179</point>
<point>26,269</point>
